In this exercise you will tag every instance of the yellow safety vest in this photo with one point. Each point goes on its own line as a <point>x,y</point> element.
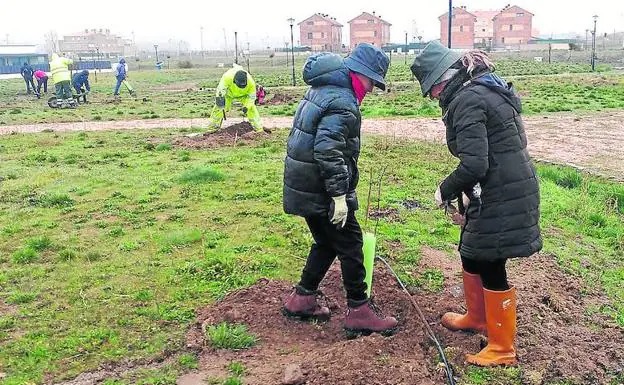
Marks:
<point>59,67</point>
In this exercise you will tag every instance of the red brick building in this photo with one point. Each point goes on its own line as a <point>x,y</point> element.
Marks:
<point>462,28</point>
<point>512,27</point>
<point>321,32</point>
<point>369,28</point>
<point>484,28</point>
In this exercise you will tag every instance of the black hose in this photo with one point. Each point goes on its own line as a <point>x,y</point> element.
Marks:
<point>428,330</point>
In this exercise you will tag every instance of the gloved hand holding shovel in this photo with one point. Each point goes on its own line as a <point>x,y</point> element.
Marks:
<point>220,102</point>
<point>457,212</point>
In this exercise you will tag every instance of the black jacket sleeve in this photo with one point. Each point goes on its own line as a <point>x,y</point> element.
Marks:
<point>329,147</point>
<point>469,123</point>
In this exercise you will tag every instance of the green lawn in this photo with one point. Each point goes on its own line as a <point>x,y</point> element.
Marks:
<point>108,245</point>
<point>189,93</point>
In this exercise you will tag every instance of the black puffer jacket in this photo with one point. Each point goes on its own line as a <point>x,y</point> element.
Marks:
<point>324,143</point>
<point>485,131</point>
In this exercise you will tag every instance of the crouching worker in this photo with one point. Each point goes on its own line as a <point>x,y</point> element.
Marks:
<point>80,82</point>
<point>235,85</point>
<point>320,180</point>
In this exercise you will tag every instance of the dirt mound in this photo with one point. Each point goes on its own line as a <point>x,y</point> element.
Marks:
<point>232,135</point>
<point>320,350</point>
<point>280,98</point>
<point>412,204</point>
<point>390,214</point>
<point>557,338</point>
<point>112,100</point>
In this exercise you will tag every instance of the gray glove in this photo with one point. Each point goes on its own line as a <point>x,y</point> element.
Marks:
<point>220,102</point>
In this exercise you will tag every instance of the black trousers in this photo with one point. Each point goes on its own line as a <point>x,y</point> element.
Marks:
<point>43,81</point>
<point>329,242</point>
<point>493,273</point>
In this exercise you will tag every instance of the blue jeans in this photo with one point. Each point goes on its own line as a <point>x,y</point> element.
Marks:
<point>119,80</point>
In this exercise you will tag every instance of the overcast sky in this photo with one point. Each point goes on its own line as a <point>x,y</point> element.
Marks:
<point>264,22</point>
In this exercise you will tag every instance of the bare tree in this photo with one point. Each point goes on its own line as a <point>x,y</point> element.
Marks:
<point>51,42</point>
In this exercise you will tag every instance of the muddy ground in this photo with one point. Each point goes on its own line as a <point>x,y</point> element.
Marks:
<point>232,135</point>
<point>280,98</point>
<point>558,339</point>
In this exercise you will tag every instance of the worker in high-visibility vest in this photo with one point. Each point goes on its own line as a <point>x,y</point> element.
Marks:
<point>236,84</point>
<point>59,66</point>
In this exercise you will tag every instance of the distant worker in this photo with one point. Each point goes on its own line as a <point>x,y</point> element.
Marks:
<point>27,73</point>
<point>235,85</point>
<point>121,73</point>
<point>42,79</point>
<point>260,95</point>
<point>80,82</point>
<point>59,66</point>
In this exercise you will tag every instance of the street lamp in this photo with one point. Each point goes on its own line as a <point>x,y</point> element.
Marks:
<point>450,22</point>
<point>586,34</point>
<point>593,58</point>
<point>156,49</point>
<point>291,21</point>
<point>94,67</point>
<point>236,47</point>
<point>201,39</point>
<point>405,47</point>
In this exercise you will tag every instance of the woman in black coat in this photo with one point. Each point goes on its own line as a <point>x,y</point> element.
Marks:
<point>495,186</point>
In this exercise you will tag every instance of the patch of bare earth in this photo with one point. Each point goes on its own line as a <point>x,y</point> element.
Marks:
<point>232,135</point>
<point>557,338</point>
<point>280,98</point>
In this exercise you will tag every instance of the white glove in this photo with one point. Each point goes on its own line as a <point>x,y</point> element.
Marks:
<point>465,200</point>
<point>339,215</point>
<point>438,198</point>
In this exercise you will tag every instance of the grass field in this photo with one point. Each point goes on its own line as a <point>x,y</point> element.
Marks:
<point>108,244</point>
<point>189,93</point>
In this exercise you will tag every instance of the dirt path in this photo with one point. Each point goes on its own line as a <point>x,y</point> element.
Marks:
<point>594,141</point>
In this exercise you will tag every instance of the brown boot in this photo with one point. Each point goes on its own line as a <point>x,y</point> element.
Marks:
<point>500,318</point>
<point>474,319</point>
<point>363,317</point>
<point>303,304</point>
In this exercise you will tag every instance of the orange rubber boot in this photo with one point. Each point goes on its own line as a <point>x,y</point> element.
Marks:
<point>500,319</point>
<point>474,319</point>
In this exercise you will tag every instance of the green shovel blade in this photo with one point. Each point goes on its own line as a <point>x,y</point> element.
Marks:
<point>370,243</point>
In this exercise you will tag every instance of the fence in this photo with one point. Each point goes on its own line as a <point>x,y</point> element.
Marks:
<point>92,65</point>
<point>15,69</point>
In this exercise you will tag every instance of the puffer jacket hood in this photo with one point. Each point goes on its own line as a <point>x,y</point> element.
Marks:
<point>324,143</point>
<point>326,69</point>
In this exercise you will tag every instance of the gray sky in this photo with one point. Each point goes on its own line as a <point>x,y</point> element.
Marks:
<point>264,22</point>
